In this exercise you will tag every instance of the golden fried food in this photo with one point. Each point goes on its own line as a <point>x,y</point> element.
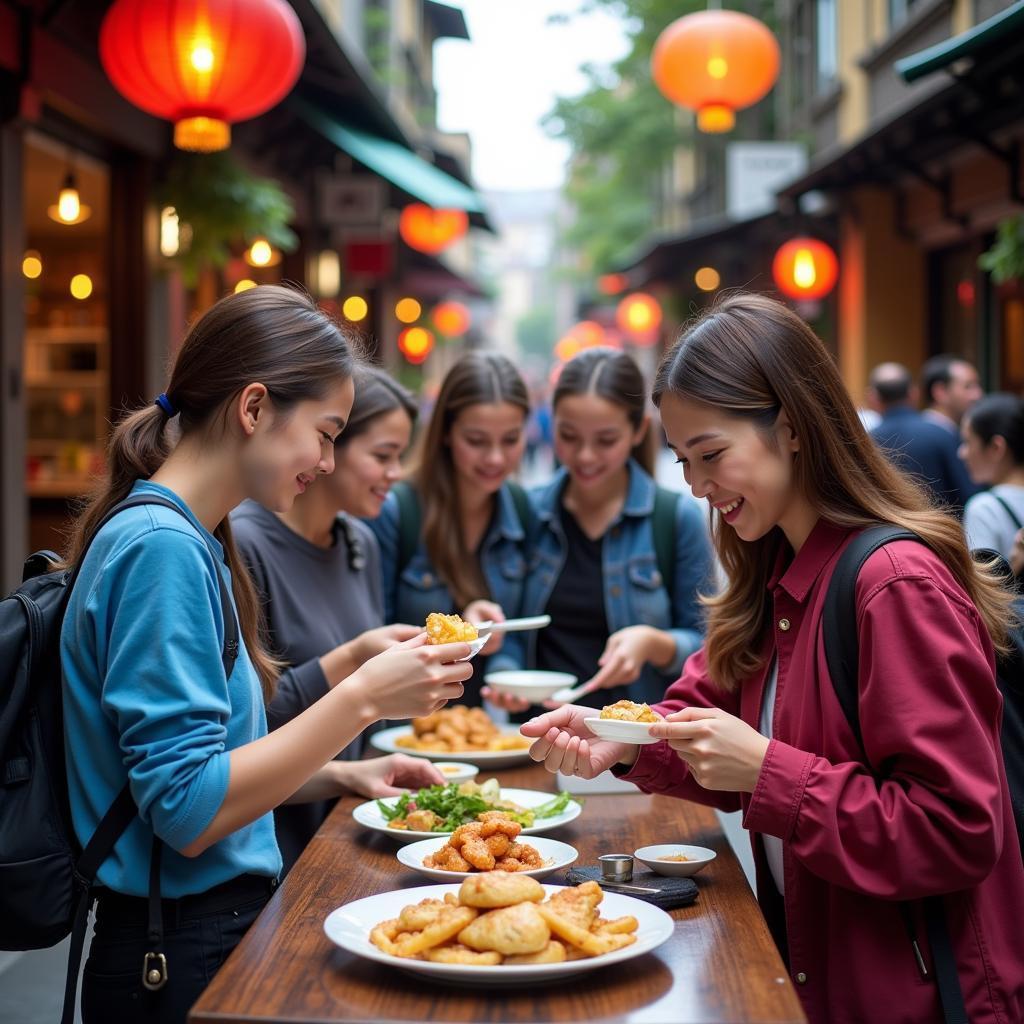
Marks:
<point>449,629</point>
<point>458,730</point>
<point>518,932</point>
<point>516,929</point>
<point>552,953</point>
<point>629,711</point>
<point>394,938</point>
<point>487,844</point>
<point>582,938</point>
<point>499,889</point>
<point>447,859</point>
<point>578,903</point>
<point>459,954</point>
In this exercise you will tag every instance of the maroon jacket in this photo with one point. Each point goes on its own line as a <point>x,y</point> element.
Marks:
<point>940,822</point>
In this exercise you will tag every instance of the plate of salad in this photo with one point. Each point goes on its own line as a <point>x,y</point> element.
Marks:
<point>440,810</point>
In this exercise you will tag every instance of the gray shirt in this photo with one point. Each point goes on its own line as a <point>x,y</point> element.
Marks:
<point>314,599</point>
<point>988,524</point>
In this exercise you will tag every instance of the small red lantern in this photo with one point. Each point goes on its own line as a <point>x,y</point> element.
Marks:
<point>639,316</point>
<point>715,62</point>
<point>202,65</point>
<point>415,343</point>
<point>612,284</point>
<point>429,230</point>
<point>451,319</point>
<point>805,268</point>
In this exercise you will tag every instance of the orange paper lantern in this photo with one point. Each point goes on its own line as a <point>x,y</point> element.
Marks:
<point>639,316</point>
<point>805,268</point>
<point>715,62</point>
<point>415,343</point>
<point>589,333</point>
<point>451,319</point>
<point>202,64</point>
<point>429,230</point>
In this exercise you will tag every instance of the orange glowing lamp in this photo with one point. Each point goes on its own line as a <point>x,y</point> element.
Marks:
<point>415,343</point>
<point>589,334</point>
<point>452,319</point>
<point>639,316</point>
<point>715,63</point>
<point>431,231</point>
<point>202,65</point>
<point>805,268</point>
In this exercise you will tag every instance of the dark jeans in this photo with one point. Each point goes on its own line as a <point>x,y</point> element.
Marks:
<point>199,934</point>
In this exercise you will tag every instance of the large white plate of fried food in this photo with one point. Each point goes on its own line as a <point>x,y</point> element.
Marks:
<point>490,845</point>
<point>457,733</point>
<point>547,812</point>
<point>499,928</point>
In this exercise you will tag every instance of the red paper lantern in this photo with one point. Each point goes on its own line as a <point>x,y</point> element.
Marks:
<point>715,62</point>
<point>429,230</point>
<point>451,319</point>
<point>639,316</point>
<point>415,343</point>
<point>805,268</point>
<point>202,64</point>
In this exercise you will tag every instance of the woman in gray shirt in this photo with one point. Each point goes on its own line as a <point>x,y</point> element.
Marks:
<point>317,568</point>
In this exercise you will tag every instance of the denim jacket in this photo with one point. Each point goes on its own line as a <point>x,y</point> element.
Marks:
<point>634,592</point>
<point>410,595</point>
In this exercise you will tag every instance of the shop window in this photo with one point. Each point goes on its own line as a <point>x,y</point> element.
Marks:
<point>65,266</point>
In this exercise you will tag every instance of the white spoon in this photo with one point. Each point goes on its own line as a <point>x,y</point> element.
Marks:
<point>568,696</point>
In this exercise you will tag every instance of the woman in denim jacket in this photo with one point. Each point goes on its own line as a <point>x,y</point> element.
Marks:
<point>616,623</point>
<point>469,549</point>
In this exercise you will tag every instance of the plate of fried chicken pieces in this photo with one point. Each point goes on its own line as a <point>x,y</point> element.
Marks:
<point>492,843</point>
<point>499,928</point>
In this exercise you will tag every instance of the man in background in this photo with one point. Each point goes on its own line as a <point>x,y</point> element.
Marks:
<point>914,443</point>
<point>950,386</point>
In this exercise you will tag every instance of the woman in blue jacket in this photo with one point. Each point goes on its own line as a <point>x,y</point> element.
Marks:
<point>452,538</point>
<point>260,390</point>
<point>622,599</point>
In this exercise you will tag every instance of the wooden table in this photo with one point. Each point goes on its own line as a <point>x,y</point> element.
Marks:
<point>720,964</point>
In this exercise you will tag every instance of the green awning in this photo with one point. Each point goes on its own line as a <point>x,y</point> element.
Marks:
<point>967,44</point>
<point>403,168</point>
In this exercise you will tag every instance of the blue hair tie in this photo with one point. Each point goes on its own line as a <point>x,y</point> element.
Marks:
<point>165,403</point>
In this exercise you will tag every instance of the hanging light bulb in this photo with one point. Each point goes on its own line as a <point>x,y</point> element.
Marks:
<point>262,254</point>
<point>69,209</point>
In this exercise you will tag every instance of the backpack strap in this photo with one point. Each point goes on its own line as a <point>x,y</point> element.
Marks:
<point>842,654</point>
<point>1014,518</point>
<point>663,527</point>
<point>408,523</point>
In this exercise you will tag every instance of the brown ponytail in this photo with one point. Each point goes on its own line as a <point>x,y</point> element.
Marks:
<point>271,334</point>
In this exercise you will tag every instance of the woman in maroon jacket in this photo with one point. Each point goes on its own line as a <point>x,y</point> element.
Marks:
<point>846,838</point>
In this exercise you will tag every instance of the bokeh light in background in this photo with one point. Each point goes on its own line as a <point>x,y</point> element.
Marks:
<point>805,268</point>
<point>431,231</point>
<point>355,308</point>
<point>81,286</point>
<point>408,310</point>
<point>415,343</point>
<point>451,319</point>
<point>639,316</point>
<point>244,285</point>
<point>707,279</point>
<point>32,264</point>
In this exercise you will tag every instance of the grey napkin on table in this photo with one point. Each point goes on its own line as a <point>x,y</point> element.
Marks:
<point>672,892</point>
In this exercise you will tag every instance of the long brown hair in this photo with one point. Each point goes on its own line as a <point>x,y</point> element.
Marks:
<point>615,377</point>
<point>752,357</point>
<point>478,378</point>
<point>270,334</point>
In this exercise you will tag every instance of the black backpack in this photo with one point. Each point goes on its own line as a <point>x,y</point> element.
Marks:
<point>45,877</point>
<point>839,629</point>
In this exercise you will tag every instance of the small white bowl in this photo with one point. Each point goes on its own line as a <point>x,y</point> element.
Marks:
<point>700,856</point>
<point>456,771</point>
<point>620,732</point>
<point>530,684</point>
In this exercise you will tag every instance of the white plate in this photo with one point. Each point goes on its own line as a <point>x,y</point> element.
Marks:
<point>349,926</point>
<point>700,856</point>
<point>489,759</point>
<point>554,854</point>
<point>515,625</point>
<point>531,684</point>
<point>620,732</point>
<point>368,814</point>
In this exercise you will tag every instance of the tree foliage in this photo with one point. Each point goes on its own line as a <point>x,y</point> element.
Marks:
<point>623,134</point>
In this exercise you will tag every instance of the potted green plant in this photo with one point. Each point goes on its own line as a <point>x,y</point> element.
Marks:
<point>222,205</point>
<point>1005,259</point>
